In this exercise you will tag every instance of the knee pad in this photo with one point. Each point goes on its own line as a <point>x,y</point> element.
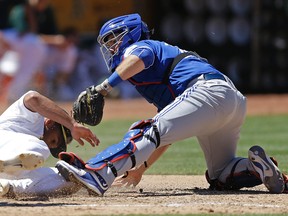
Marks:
<point>235,181</point>
<point>123,149</point>
<point>242,179</point>
<point>145,125</point>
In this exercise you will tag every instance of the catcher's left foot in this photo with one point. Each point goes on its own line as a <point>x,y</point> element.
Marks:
<point>268,171</point>
<point>89,179</point>
<point>24,161</point>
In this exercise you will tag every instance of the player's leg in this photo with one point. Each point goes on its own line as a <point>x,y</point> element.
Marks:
<point>6,189</point>
<point>44,181</point>
<point>229,172</point>
<point>20,152</point>
<point>98,173</point>
<point>235,172</point>
<point>258,168</point>
<point>217,115</point>
<point>24,161</point>
<point>219,145</point>
<point>225,171</point>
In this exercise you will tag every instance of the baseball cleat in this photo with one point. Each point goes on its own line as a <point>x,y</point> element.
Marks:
<point>88,179</point>
<point>269,173</point>
<point>6,189</point>
<point>24,161</point>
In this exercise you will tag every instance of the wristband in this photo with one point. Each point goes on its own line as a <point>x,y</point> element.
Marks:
<point>114,79</point>
<point>106,86</point>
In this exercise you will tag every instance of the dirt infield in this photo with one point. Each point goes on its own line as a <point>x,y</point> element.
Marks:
<point>161,194</point>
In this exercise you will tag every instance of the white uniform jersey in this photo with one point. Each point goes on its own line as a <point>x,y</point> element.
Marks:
<point>18,118</point>
<point>20,131</point>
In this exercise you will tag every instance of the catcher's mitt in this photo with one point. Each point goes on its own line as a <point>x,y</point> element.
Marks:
<point>88,108</point>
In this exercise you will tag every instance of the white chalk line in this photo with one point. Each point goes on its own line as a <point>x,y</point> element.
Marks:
<point>179,205</point>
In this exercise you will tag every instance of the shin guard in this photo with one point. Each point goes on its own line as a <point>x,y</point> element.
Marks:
<point>123,149</point>
<point>236,180</point>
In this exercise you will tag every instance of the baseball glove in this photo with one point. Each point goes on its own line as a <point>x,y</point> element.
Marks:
<point>88,108</point>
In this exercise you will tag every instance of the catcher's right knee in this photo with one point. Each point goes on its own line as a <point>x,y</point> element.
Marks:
<point>235,180</point>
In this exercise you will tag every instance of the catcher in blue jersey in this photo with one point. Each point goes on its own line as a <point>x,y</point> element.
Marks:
<point>193,99</point>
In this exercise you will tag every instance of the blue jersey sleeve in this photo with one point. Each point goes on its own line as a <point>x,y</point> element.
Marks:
<point>144,52</point>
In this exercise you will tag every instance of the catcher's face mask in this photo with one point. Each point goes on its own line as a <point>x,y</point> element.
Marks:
<point>119,33</point>
<point>111,43</point>
<point>65,138</point>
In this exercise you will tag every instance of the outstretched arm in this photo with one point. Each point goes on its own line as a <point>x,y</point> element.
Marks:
<point>130,66</point>
<point>36,102</point>
<point>133,176</point>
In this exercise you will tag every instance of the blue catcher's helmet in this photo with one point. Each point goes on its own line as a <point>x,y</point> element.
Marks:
<point>117,34</point>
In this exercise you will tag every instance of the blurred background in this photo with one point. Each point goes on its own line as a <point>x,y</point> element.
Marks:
<point>245,39</point>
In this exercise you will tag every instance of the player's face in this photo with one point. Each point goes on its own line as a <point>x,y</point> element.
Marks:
<point>52,135</point>
<point>113,43</point>
<point>110,45</point>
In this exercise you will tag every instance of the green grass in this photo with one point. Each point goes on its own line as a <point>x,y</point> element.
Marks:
<point>186,157</point>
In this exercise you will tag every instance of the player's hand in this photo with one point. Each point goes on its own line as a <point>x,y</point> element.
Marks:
<point>130,179</point>
<point>80,132</point>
